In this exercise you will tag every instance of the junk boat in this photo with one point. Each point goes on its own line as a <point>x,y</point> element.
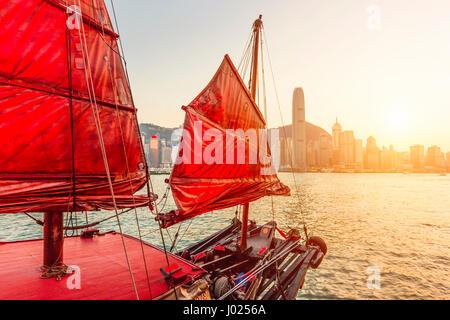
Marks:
<point>71,144</point>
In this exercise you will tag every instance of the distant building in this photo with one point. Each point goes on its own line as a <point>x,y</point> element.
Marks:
<point>285,136</point>
<point>448,160</point>
<point>299,129</point>
<point>417,156</point>
<point>403,161</point>
<point>394,157</point>
<point>166,157</point>
<point>359,154</point>
<point>303,144</point>
<point>337,129</point>
<point>347,148</point>
<point>387,158</point>
<point>325,150</point>
<point>154,152</point>
<point>318,146</point>
<point>372,157</point>
<point>312,153</point>
<point>336,155</point>
<point>435,157</point>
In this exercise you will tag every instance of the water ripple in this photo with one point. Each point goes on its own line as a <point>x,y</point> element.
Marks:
<point>399,223</point>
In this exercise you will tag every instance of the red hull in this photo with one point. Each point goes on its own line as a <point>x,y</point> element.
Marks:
<point>103,273</point>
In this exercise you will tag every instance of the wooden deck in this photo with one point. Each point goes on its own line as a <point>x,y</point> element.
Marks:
<point>104,272</point>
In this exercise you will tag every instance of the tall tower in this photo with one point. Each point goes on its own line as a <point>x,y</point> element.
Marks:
<point>298,129</point>
<point>337,129</point>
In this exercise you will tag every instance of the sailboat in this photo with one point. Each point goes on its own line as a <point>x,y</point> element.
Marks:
<point>70,144</point>
<point>244,260</point>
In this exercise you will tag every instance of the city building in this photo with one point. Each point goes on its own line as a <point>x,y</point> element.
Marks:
<point>403,161</point>
<point>448,160</point>
<point>299,129</point>
<point>146,147</point>
<point>318,147</point>
<point>417,156</point>
<point>387,158</point>
<point>312,154</point>
<point>302,144</point>
<point>359,154</point>
<point>336,155</point>
<point>347,148</point>
<point>285,136</point>
<point>372,158</point>
<point>435,157</point>
<point>154,152</point>
<point>325,150</point>
<point>337,129</point>
<point>166,157</point>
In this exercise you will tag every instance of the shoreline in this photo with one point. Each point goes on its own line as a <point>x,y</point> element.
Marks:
<point>365,171</point>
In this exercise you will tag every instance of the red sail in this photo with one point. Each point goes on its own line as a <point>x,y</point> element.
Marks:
<point>223,118</point>
<point>56,68</point>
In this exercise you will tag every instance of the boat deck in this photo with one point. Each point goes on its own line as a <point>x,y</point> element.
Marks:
<point>104,273</point>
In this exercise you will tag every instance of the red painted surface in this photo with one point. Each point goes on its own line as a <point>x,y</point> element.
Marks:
<point>104,273</point>
<point>199,186</point>
<point>42,87</point>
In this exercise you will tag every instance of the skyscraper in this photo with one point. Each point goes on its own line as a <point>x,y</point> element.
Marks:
<point>359,154</point>
<point>372,154</point>
<point>448,160</point>
<point>154,152</point>
<point>299,129</point>
<point>337,129</point>
<point>347,148</point>
<point>417,156</point>
<point>435,157</point>
<point>325,154</point>
<point>386,158</point>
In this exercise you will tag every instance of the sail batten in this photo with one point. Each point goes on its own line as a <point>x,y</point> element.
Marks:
<point>65,94</point>
<point>223,117</point>
<point>47,94</point>
<point>87,14</point>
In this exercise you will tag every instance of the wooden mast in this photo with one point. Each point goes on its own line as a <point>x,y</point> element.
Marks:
<point>53,239</point>
<point>253,83</point>
<point>54,221</point>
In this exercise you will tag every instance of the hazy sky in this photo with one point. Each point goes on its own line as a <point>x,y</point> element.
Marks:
<point>392,82</point>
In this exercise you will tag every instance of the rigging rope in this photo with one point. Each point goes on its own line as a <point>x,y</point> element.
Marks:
<point>297,191</point>
<point>261,268</point>
<point>39,222</point>
<point>246,48</point>
<point>94,107</point>
<point>149,184</point>
<point>126,160</point>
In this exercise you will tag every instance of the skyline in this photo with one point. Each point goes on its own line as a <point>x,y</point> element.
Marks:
<point>364,139</point>
<point>329,130</point>
<point>228,204</point>
<point>389,83</point>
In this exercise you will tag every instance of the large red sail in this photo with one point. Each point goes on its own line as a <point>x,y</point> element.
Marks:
<point>59,72</point>
<point>205,180</point>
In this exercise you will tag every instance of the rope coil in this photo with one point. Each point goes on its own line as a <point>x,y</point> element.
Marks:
<point>54,272</point>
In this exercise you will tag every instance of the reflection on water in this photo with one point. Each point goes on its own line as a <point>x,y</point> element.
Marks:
<point>399,223</point>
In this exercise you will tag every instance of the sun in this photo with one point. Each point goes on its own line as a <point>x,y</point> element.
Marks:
<point>399,119</point>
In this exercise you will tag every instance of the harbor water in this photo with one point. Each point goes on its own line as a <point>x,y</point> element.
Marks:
<point>388,235</point>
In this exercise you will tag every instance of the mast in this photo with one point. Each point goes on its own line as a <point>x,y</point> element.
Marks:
<point>252,86</point>
<point>53,239</point>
